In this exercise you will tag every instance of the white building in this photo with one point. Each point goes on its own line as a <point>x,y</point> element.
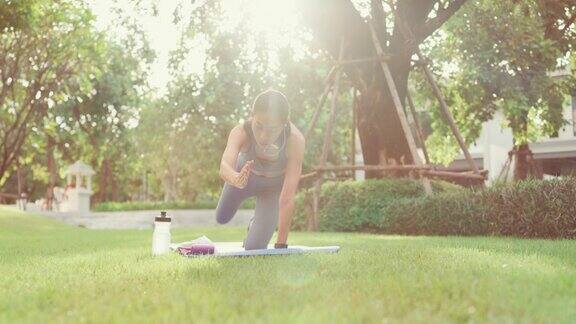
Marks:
<point>556,156</point>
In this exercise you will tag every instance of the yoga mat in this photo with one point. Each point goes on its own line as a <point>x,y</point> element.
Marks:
<point>235,249</point>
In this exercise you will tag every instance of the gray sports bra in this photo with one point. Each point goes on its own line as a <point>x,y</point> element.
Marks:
<point>269,160</point>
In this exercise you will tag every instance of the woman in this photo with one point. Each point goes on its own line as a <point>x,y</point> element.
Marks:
<point>263,158</point>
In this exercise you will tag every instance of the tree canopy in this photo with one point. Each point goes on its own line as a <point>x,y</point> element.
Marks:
<point>70,91</point>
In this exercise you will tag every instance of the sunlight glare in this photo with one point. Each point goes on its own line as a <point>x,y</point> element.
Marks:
<point>275,22</point>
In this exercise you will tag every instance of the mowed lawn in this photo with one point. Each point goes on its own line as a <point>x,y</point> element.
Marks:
<point>50,272</point>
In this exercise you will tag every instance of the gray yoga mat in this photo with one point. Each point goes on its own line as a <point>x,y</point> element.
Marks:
<point>235,249</point>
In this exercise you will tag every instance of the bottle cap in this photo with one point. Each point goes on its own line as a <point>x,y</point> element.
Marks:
<point>163,217</point>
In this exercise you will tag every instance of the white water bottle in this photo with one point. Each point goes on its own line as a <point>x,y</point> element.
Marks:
<point>161,237</point>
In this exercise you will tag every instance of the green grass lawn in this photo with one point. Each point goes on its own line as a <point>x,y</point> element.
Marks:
<point>55,272</point>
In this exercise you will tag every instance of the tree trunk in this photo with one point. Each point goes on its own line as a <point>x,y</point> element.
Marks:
<point>103,183</point>
<point>522,153</point>
<point>379,129</point>
<point>52,171</point>
<point>521,167</point>
<point>19,178</point>
<point>113,180</point>
<point>170,179</point>
<point>115,191</point>
<point>169,183</point>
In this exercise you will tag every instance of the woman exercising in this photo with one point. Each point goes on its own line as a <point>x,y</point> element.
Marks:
<point>263,158</point>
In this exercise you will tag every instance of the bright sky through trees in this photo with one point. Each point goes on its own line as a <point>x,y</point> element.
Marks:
<point>274,21</point>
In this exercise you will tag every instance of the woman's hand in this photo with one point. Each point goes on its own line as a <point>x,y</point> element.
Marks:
<point>240,179</point>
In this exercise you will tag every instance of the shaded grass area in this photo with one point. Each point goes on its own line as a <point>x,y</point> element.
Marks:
<point>55,272</point>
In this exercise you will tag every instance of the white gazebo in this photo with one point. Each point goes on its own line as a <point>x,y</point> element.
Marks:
<point>78,188</point>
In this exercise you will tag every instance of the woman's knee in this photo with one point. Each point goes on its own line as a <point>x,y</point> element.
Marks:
<point>255,244</point>
<point>227,204</point>
<point>224,215</point>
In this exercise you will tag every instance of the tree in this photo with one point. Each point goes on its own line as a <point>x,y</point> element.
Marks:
<point>95,124</point>
<point>332,21</point>
<point>49,63</point>
<point>18,14</point>
<point>506,66</point>
<point>100,126</point>
<point>105,122</point>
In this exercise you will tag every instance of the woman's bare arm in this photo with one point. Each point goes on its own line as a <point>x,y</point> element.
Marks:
<point>227,171</point>
<point>295,153</point>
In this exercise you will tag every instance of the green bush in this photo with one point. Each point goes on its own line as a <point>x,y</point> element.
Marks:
<point>531,208</point>
<point>161,205</point>
<point>358,205</point>
<point>453,213</point>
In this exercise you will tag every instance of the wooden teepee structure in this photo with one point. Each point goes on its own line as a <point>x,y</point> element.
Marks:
<point>419,169</point>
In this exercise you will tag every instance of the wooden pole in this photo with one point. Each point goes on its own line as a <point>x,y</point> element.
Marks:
<point>430,78</point>
<point>365,60</point>
<point>460,175</point>
<point>353,142</point>
<point>386,168</point>
<point>313,224</point>
<point>481,172</point>
<point>308,175</point>
<point>425,170</point>
<point>418,128</point>
<point>398,105</point>
<point>447,115</point>
<point>398,167</point>
<point>19,178</point>
<point>328,85</point>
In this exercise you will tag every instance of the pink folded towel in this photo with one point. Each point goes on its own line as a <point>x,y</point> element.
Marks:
<point>196,249</point>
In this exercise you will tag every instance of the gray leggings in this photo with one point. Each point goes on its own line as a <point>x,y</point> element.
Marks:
<point>263,223</point>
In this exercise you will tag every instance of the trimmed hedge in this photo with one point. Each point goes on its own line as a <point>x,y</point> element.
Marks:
<point>358,205</point>
<point>531,208</point>
<point>112,206</point>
